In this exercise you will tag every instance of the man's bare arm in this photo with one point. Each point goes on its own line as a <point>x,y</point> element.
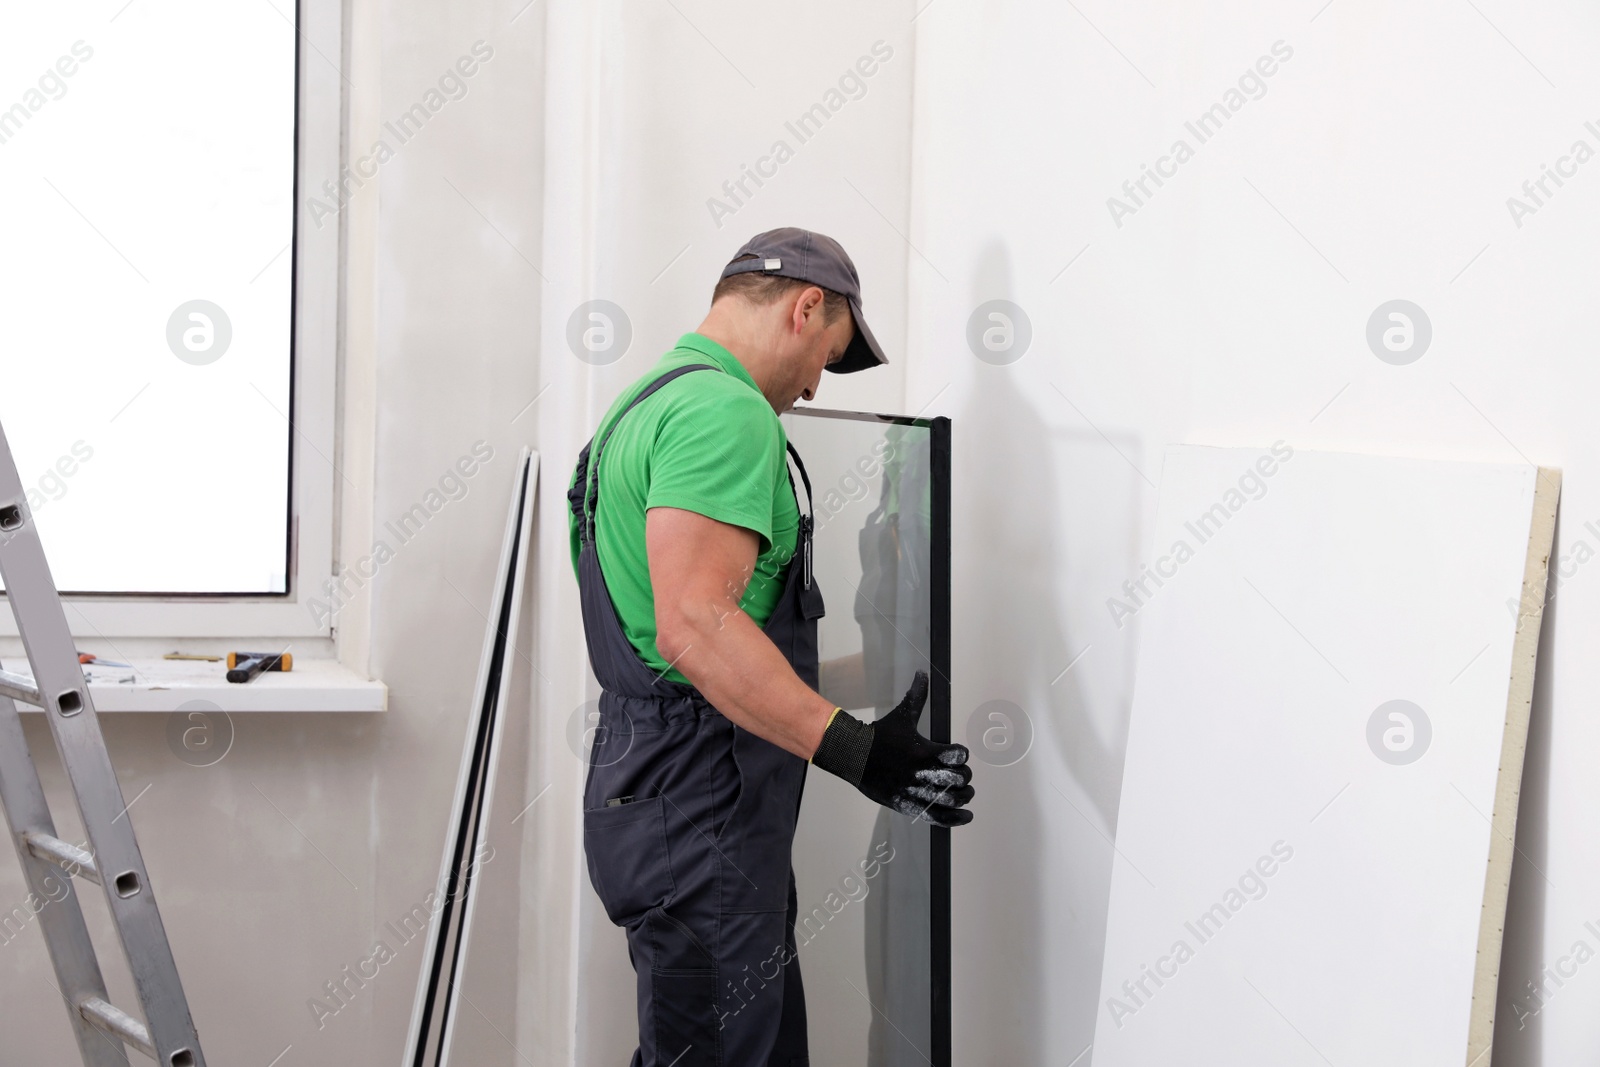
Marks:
<point>698,571</point>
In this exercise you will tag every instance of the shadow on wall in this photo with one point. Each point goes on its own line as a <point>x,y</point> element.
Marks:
<point>1012,644</point>
<point>1519,1013</point>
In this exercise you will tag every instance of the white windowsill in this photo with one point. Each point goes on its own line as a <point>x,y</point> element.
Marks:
<point>165,685</point>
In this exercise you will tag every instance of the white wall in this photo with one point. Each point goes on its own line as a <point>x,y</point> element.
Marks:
<point>1230,309</point>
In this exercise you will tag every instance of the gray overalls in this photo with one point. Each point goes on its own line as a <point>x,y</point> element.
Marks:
<point>694,862</point>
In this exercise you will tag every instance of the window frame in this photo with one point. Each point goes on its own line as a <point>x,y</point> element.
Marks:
<point>314,355</point>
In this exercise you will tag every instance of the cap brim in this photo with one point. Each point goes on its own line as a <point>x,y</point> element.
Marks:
<point>864,351</point>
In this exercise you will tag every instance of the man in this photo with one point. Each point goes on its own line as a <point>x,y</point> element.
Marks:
<point>700,612</point>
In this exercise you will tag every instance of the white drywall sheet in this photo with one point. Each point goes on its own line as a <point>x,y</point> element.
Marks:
<point>1306,872</point>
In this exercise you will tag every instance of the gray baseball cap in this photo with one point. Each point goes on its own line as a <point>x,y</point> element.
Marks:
<point>790,252</point>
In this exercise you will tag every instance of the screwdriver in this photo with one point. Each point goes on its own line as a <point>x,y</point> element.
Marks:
<point>86,658</point>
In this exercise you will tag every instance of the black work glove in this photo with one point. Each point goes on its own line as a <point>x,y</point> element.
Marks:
<point>896,766</point>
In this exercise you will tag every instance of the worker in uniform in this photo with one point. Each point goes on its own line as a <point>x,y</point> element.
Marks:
<point>700,612</point>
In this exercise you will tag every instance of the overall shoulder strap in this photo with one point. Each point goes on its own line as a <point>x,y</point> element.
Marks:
<point>810,508</point>
<point>586,490</point>
<point>808,521</point>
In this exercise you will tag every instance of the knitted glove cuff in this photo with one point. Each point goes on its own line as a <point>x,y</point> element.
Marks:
<point>844,747</point>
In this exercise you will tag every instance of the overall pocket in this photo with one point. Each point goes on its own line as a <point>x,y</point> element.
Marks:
<point>629,867</point>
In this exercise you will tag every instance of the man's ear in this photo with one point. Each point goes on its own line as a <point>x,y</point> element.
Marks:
<point>806,305</point>
<point>797,312</point>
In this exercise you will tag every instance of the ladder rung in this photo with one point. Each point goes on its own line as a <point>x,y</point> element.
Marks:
<point>20,687</point>
<point>69,858</point>
<point>118,1023</point>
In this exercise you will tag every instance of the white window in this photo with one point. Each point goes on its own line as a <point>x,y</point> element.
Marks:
<point>167,371</point>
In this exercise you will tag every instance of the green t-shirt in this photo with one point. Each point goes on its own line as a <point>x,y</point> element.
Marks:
<point>706,442</point>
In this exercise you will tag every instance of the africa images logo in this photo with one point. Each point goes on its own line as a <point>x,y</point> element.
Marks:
<point>1252,485</point>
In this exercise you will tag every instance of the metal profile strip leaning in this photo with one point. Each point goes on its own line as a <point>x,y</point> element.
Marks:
<point>167,1033</point>
<point>434,1008</point>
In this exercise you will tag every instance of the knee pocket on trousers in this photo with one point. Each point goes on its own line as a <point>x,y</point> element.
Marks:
<point>629,866</point>
<point>675,949</point>
<point>683,980</point>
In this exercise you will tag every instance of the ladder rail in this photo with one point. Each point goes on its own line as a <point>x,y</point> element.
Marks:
<point>59,915</point>
<point>63,693</point>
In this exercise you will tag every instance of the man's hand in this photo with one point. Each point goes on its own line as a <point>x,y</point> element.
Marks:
<point>893,764</point>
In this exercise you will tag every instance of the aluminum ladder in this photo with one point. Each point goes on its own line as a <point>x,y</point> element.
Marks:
<point>112,860</point>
